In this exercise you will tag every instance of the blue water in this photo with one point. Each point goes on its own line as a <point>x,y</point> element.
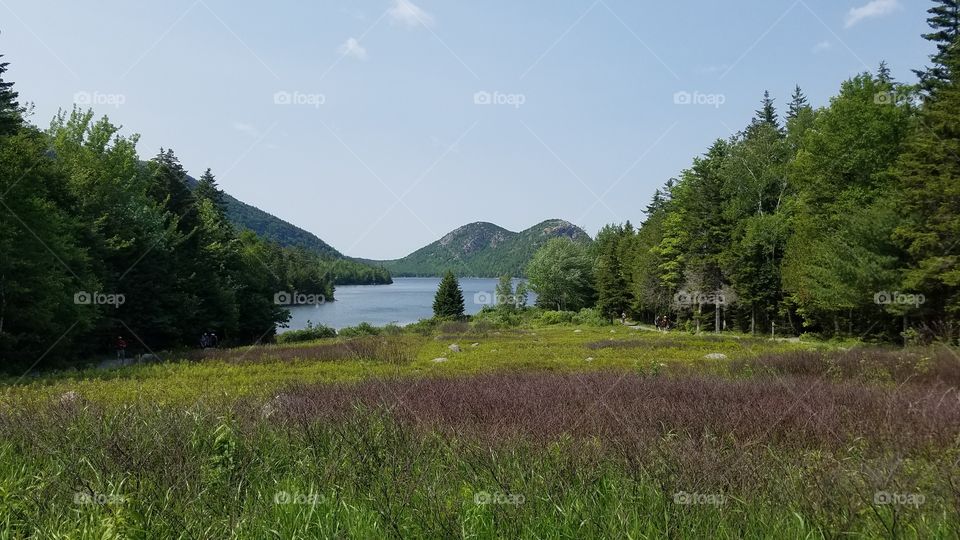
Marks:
<point>404,301</point>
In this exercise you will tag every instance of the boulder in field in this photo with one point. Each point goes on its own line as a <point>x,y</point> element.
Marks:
<point>716,356</point>
<point>454,348</point>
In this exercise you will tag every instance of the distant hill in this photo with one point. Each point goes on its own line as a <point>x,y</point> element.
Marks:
<point>347,271</point>
<point>482,250</point>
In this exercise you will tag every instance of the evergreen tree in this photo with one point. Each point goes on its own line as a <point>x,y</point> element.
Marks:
<point>929,173</point>
<point>768,112</point>
<point>11,113</point>
<point>798,102</point>
<point>207,189</point>
<point>944,20</point>
<point>883,73</point>
<point>448,303</point>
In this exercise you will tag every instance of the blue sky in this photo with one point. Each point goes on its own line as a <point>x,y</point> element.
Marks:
<point>380,125</point>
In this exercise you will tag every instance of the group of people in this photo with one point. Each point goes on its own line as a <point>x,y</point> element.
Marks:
<point>209,340</point>
<point>663,323</point>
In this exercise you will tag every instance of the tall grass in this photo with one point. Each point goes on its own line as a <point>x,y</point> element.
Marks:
<point>592,455</point>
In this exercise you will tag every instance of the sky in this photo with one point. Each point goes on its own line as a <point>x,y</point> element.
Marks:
<point>380,125</point>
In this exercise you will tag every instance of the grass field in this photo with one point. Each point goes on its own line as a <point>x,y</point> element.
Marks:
<point>554,432</point>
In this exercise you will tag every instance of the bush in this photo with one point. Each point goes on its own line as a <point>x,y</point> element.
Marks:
<point>591,317</point>
<point>310,333</point>
<point>362,329</point>
<point>423,327</point>
<point>555,317</point>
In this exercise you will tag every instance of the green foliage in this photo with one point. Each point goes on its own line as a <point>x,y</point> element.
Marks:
<point>448,302</point>
<point>362,329</point>
<point>561,273</point>
<point>310,333</point>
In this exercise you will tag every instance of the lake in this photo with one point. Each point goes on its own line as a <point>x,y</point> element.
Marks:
<point>405,301</point>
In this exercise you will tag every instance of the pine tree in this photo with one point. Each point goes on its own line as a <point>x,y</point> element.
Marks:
<point>883,73</point>
<point>448,303</point>
<point>929,173</point>
<point>207,189</point>
<point>767,113</point>
<point>945,21</point>
<point>11,113</point>
<point>798,102</point>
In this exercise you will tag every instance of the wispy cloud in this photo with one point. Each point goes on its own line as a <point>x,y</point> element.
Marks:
<point>352,47</point>
<point>872,9</point>
<point>247,129</point>
<point>406,13</point>
<point>823,46</point>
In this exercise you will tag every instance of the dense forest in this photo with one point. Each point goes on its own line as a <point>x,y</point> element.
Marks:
<point>841,221</point>
<point>98,244</point>
<point>344,271</point>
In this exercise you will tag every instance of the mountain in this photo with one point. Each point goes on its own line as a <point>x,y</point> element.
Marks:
<point>482,250</point>
<point>346,271</point>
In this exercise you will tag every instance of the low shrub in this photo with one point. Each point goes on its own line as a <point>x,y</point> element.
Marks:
<point>555,317</point>
<point>362,329</point>
<point>310,333</point>
<point>591,317</point>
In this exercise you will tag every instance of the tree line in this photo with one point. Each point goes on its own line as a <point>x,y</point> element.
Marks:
<point>842,220</point>
<point>97,244</point>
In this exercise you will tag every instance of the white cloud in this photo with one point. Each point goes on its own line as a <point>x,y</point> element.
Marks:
<point>247,129</point>
<point>352,47</point>
<point>408,14</point>
<point>874,8</point>
<point>822,46</point>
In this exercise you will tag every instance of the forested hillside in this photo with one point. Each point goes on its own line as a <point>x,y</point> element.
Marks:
<point>345,271</point>
<point>842,220</point>
<point>483,250</point>
<point>97,245</point>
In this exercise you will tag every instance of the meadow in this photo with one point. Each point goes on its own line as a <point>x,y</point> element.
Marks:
<point>561,431</point>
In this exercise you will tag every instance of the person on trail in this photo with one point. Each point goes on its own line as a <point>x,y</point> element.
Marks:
<point>205,340</point>
<point>121,346</point>
<point>214,342</point>
<point>623,317</point>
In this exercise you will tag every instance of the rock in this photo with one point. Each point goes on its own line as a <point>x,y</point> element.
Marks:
<point>589,359</point>
<point>454,348</point>
<point>474,345</point>
<point>578,331</point>
<point>439,360</point>
<point>716,356</point>
<point>148,358</point>
<point>69,398</point>
<point>613,331</point>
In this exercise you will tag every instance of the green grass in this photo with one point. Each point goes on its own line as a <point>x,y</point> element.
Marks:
<point>561,348</point>
<point>184,449</point>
